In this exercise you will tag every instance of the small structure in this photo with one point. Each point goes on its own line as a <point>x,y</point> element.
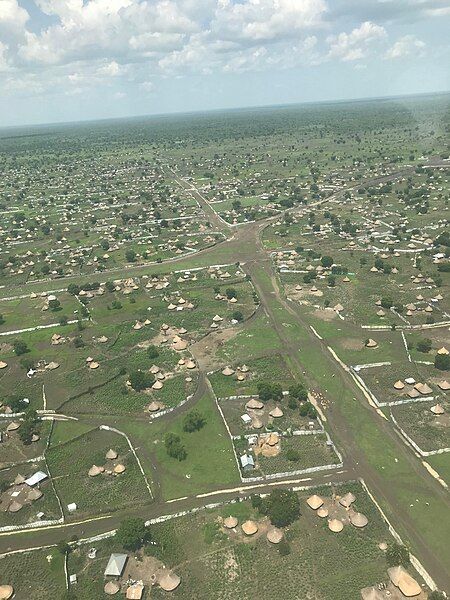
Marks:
<point>230,522</point>
<point>135,591</point>
<point>111,588</point>
<point>116,565</point>
<point>274,535</point>
<point>169,581</point>
<point>249,527</point>
<point>6,592</point>
<point>247,462</point>
<point>335,525</point>
<point>405,583</point>
<point>314,502</point>
<point>36,478</point>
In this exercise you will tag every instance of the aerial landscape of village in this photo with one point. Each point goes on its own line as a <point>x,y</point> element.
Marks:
<point>225,324</point>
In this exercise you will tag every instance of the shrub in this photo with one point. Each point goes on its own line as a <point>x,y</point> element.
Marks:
<point>193,421</point>
<point>20,347</point>
<point>152,352</point>
<point>132,533</point>
<point>424,345</point>
<point>442,362</point>
<point>293,455</point>
<point>174,446</point>
<point>269,391</point>
<point>397,555</point>
<point>298,391</point>
<point>283,507</point>
<point>140,380</point>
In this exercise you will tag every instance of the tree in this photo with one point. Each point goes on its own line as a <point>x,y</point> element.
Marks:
<point>132,533</point>
<point>193,421</point>
<point>140,380</point>
<point>230,293</point>
<point>15,403</point>
<point>269,391</point>
<point>174,446</point>
<point>54,305</point>
<point>386,302</point>
<point>298,391</point>
<point>63,320</point>
<point>73,289</point>
<point>308,410</point>
<point>424,345</point>
<point>237,316</point>
<point>63,547</point>
<point>326,261</point>
<point>20,347</point>
<point>130,255</point>
<point>29,427</point>
<point>293,455</point>
<point>442,362</point>
<point>282,507</point>
<point>397,555</point>
<point>2,319</point>
<point>152,352</point>
<point>331,281</point>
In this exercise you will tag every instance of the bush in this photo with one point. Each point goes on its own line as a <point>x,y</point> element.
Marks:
<point>293,455</point>
<point>442,362</point>
<point>237,316</point>
<point>174,446</point>
<point>20,347</point>
<point>141,381</point>
<point>152,352</point>
<point>308,410</point>
<point>193,421</point>
<point>424,345</point>
<point>396,555</point>
<point>298,391</point>
<point>283,507</point>
<point>132,533</point>
<point>269,391</point>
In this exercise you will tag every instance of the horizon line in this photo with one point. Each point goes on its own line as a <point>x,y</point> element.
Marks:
<point>225,109</point>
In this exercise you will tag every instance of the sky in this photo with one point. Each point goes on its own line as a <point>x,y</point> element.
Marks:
<point>71,60</point>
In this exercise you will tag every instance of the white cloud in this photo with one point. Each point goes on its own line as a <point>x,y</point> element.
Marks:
<point>111,69</point>
<point>13,18</point>
<point>147,86</point>
<point>408,45</point>
<point>354,45</point>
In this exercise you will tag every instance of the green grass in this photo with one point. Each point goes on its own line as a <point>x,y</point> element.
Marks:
<point>209,464</point>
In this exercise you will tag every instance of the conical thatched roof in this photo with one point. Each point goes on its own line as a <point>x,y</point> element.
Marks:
<point>274,535</point>
<point>13,426</point>
<point>403,580</point>
<point>399,385</point>
<point>230,522</point>
<point>227,371</point>
<point>157,385</point>
<point>322,512</point>
<point>358,519</point>
<point>111,588</point>
<point>442,350</point>
<point>347,500</point>
<point>276,412</point>
<point>154,406</point>
<point>371,343</point>
<point>249,527</point>
<point>6,592</point>
<point>169,581</point>
<point>335,525</point>
<point>119,469</point>
<point>14,506</point>
<point>444,385</point>
<point>3,365</point>
<point>437,409</point>
<point>94,471</point>
<point>254,404</point>
<point>314,502</point>
<point>111,454</point>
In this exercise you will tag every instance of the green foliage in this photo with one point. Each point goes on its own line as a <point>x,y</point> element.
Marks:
<point>282,507</point>
<point>193,421</point>
<point>298,391</point>
<point>269,391</point>
<point>132,533</point>
<point>174,446</point>
<point>20,347</point>
<point>308,410</point>
<point>140,380</point>
<point>424,345</point>
<point>237,316</point>
<point>152,352</point>
<point>442,362</point>
<point>396,555</point>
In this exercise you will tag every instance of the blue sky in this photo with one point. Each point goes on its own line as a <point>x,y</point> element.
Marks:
<point>66,60</point>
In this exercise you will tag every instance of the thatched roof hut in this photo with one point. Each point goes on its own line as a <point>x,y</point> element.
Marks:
<point>169,581</point>
<point>111,454</point>
<point>254,404</point>
<point>347,500</point>
<point>111,588</point>
<point>230,522</point>
<point>437,409</point>
<point>314,502</point>
<point>335,525</point>
<point>276,412</point>
<point>6,592</point>
<point>405,583</point>
<point>249,527</point>
<point>274,535</point>
<point>227,371</point>
<point>358,519</point>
